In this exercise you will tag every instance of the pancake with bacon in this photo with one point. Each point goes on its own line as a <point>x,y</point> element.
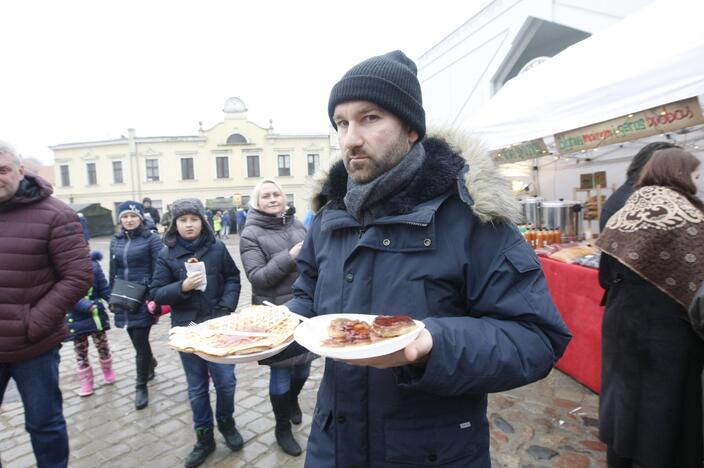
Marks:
<point>227,335</point>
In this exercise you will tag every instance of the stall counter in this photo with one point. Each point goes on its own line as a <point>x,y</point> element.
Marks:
<point>577,294</point>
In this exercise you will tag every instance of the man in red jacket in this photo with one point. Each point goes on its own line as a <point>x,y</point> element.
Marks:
<point>45,269</point>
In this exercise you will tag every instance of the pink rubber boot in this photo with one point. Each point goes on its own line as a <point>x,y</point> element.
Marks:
<point>108,373</point>
<point>86,376</point>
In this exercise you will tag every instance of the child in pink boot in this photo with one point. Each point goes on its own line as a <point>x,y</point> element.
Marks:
<point>89,318</point>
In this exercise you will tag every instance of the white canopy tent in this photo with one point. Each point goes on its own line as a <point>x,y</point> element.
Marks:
<point>651,58</point>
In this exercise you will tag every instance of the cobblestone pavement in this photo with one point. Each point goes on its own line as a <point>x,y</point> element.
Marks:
<point>551,423</point>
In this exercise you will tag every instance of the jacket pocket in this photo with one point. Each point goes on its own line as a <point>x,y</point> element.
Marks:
<point>522,259</point>
<point>529,279</point>
<point>427,444</point>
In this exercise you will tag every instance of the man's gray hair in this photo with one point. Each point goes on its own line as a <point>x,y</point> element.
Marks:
<point>8,149</point>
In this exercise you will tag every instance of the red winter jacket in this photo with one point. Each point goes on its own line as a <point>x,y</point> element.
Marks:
<point>45,269</point>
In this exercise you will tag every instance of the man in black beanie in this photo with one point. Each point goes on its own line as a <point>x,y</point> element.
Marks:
<point>418,226</point>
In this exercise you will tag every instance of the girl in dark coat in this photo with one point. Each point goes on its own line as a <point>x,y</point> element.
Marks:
<point>133,253</point>
<point>650,411</point>
<point>269,245</point>
<point>88,318</point>
<point>191,236</point>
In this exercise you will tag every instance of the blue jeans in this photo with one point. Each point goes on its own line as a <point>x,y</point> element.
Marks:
<point>37,381</point>
<point>280,377</point>
<point>223,375</point>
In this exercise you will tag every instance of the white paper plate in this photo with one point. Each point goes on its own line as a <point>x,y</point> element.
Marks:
<point>311,333</point>
<point>243,358</point>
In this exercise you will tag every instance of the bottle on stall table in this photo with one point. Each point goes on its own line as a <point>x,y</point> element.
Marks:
<point>551,236</point>
<point>528,235</point>
<point>540,242</point>
<point>524,232</point>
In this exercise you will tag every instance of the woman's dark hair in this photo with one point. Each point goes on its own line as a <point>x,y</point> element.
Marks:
<point>672,168</point>
<point>642,157</point>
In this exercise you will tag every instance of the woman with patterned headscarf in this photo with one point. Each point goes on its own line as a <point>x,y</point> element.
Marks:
<point>650,412</point>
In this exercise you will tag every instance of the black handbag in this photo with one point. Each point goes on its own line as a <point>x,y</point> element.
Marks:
<point>127,295</point>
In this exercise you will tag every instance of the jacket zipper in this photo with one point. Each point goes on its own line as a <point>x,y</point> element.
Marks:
<point>126,274</point>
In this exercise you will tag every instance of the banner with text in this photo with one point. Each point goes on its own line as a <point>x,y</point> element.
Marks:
<point>661,119</point>
<point>520,152</point>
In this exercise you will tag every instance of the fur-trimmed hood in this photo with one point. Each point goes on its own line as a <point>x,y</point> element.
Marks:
<point>448,154</point>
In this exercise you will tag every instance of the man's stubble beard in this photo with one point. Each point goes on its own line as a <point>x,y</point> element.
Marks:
<point>377,167</point>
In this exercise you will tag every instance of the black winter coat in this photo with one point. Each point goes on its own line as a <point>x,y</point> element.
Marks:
<point>133,257</point>
<point>223,283</point>
<point>264,245</point>
<point>650,406</point>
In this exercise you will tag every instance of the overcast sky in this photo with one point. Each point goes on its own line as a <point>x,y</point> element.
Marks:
<point>89,70</point>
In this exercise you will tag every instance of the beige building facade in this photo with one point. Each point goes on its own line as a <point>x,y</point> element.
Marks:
<point>220,166</point>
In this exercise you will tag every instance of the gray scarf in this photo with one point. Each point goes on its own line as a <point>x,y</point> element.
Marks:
<point>363,201</point>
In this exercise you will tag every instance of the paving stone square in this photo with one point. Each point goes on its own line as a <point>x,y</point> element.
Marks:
<point>551,423</point>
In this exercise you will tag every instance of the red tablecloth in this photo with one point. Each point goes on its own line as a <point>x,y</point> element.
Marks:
<point>577,294</point>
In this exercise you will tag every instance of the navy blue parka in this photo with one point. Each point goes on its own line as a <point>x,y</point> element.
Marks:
<point>448,255</point>
<point>133,258</point>
<point>223,280</point>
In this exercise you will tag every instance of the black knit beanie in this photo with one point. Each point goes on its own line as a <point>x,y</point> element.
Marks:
<point>387,80</point>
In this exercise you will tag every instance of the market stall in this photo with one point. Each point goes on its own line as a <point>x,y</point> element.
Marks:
<point>641,79</point>
<point>651,58</point>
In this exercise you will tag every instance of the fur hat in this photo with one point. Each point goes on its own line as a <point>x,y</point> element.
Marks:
<point>131,206</point>
<point>184,206</point>
<point>387,80</point>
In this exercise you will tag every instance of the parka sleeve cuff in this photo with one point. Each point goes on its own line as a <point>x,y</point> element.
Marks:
<point>413,375</point>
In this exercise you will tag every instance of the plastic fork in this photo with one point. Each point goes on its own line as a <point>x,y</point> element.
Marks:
<point>207,332</point>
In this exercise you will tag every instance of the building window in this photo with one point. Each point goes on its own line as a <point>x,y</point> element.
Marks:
<point>152,166</point>
<point>236,139</point>
<point>284,165</point>
<point>245,200</point>
<point>187,169</point>
<point>65,179</point>
<point>117,177</point>
<point>92,176</point>
<point>222,167</point>
<point>253,166</point>
<point>289,199</point>
<point>313,163</point>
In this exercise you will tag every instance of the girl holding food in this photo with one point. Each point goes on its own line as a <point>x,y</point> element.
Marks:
<point>194,298</point>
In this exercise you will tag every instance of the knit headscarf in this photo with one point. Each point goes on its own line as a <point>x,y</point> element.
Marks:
<point>659,235</point>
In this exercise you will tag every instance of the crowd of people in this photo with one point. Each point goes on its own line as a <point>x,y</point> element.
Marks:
<point>405,221</point>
